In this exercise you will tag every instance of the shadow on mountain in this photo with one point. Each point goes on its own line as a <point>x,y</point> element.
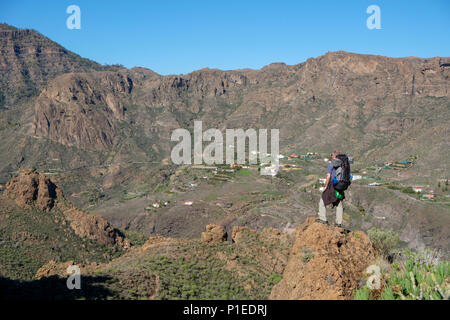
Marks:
<point>54,288</point>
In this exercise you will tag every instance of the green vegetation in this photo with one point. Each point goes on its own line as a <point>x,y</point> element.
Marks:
<point>384,241</point>
<point>181,278</point>
<point>362,294</point>
<point>307,256</point>
<point>29,239</point>
<point>162,188</point>
<point>210,197</point>
<point>415,276</point>
<point>244,172</point>
<point>131,195</point>
<point>135,238</point>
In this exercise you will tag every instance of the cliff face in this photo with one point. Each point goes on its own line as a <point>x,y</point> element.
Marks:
<point>372,98</point>
<point>83,110</point>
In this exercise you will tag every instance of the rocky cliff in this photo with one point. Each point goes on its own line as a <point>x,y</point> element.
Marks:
<point>325,263</point>
<point>375,102</point>
<point>34,190</point>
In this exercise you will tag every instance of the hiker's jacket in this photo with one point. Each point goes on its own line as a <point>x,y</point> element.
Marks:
<point>329,195</point>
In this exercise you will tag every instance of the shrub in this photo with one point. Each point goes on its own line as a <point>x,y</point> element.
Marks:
<point>420,276</point>
<point>307,256</point>
<point>362,294</point>
<point>384,241</point>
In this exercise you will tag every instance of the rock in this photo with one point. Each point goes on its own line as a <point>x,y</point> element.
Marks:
<point>94,227</point>
<point>325,263</point>
<point>214,233</point>
<point>52,268</point>
<point>31,188</point>
<point>240,233</point>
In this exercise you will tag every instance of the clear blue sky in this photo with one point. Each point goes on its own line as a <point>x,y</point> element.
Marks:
<point>172,37</point>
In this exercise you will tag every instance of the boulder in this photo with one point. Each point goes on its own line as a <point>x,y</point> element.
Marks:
<point>214,233</point>
<point>31,188</point>
<point>325,263</point>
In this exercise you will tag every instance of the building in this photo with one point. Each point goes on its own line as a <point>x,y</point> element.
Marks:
<point>155,205</point>
<point>188,203</point>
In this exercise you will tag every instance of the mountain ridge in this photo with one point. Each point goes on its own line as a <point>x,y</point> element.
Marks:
<point>105,134</point>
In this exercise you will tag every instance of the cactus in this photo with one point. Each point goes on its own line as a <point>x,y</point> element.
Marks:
<point>422,276</point>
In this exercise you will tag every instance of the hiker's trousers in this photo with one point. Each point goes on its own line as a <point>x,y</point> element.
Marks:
<point>323,212</point>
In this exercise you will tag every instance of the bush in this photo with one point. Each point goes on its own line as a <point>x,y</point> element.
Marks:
<point>362,294</point>
<point>408,190</point>
<point>384,241</point>
<point>420,276</point>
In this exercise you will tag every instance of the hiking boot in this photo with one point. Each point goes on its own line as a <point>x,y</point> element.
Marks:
<point>338,225</point>
<point>321,221</point>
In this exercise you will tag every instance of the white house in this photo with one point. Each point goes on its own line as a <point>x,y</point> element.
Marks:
<point>155,205</point>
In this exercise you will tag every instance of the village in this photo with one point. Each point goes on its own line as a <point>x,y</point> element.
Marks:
<point>316,162</point>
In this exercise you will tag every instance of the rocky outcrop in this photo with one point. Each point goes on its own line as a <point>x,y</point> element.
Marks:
<point>241,233</point>
<point>32,189</point>
<point>325,263</point>
<point>94,227</point>
<point>214,233</point>
<point>52,268</point>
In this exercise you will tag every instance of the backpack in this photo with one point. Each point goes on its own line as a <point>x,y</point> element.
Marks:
<point>343,173</point>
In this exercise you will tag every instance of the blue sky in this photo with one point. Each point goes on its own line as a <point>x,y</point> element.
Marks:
<point>172,37</point>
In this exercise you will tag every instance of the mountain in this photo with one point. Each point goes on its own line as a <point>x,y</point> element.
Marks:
<point>103,134</point>
<point>28,60</point>
<point>85,174</point>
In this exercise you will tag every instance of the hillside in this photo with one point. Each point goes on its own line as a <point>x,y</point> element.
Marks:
<point>42,235</point>
<point>28,60</point>
<point>86,147</point>
<point>38,225</point>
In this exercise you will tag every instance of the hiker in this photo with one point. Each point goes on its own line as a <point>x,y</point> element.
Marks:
<point>338,180</point>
